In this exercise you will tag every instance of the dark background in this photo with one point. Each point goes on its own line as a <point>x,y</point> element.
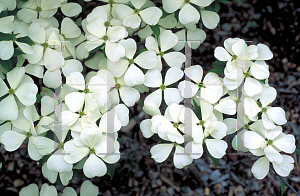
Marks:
<point>274,23</point>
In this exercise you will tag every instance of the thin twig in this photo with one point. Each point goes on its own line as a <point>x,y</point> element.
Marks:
<point>283,180</point>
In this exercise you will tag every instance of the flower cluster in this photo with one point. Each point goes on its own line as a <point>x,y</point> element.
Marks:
<point>66,83</point>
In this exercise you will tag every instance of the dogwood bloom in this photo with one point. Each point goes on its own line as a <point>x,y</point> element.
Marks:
<point>189,33</point>
<point>56,163</point>
<point>270,141</point>
<point>99,31</point>
<point>216,129</point>
<point>270,115</point>
<point>167,40</point>
<point>128,94</point>
<point>94,144</point>
<point>12,140</point>
<point>260,168</point>
<point>44,9</point>
<point>132,17</point>
<point>187,13</point>
<point>24,91</point>
<point>133,75</point>
<point>161,152</point>
<point>153,79</point>
<point>210,89</point>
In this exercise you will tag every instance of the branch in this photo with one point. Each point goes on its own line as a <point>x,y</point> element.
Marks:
<point>283,180</point>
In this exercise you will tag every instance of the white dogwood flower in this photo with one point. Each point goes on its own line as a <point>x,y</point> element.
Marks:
<point>153,79</point>
<point>24,91</point>
<point>93,144</point>
<point>133,75</point>
<point>132,17</point>
<point>161,152</point>
<point>211,88</point>
<point>260,168</point>
<point>190,32</point>
<point>167,40</point>
<point>187,13</point>
<point>270,141</point>
<point>100,31</point>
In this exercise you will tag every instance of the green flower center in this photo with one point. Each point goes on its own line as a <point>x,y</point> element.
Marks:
<point>161,53</point>
<point>136,11</point>
<point>81,113</point>
<point>175,143</point>
<point>92,150</point>
<point>186,1</point>
<point>41,117</point>
<point>11,91</point>
<point>131,61</point>
<point>163,87</point>
<point>38,9</point>
<point>86,90</point>
<point>105,38</point>
<point>110,2</point>
<point>14,39</point>
<point>28,134</point>
<point>270,142</point>
<point>246,126</point>
<point>45,45</point>
<point>118,86</point>
<point>247,74</point>
<point>234,57</point>
<point>61,145</point>
<point>175,125</point>
<point>201,122</point>
<point>107,24</point>
<point>264,110</point>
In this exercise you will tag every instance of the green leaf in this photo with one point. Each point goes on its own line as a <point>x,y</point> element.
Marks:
<point>110,169</point>
<point>219,26</point>
<point>6,37</point>
<point>131,6</point>
<point>3,13</point>
<point>282,188</point>
<point>78,173</point>
<point>6,64</point>
<point>142,50</point>
<point>216,161</point>
<point>140,103</point>
<point>209,8</point>
<point>217,6</point>
<point>155,30</point>
<point>297,151</point>
<point>239,1</point>
<point>219,70</point>
<point>17,52</point>
<point>38,98</point>
<point>218,63</point>
<point>13,12</point>
<point>96,49</point>
<point>165,14</point>
<point>26,40</point>
<point>80,164</point>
